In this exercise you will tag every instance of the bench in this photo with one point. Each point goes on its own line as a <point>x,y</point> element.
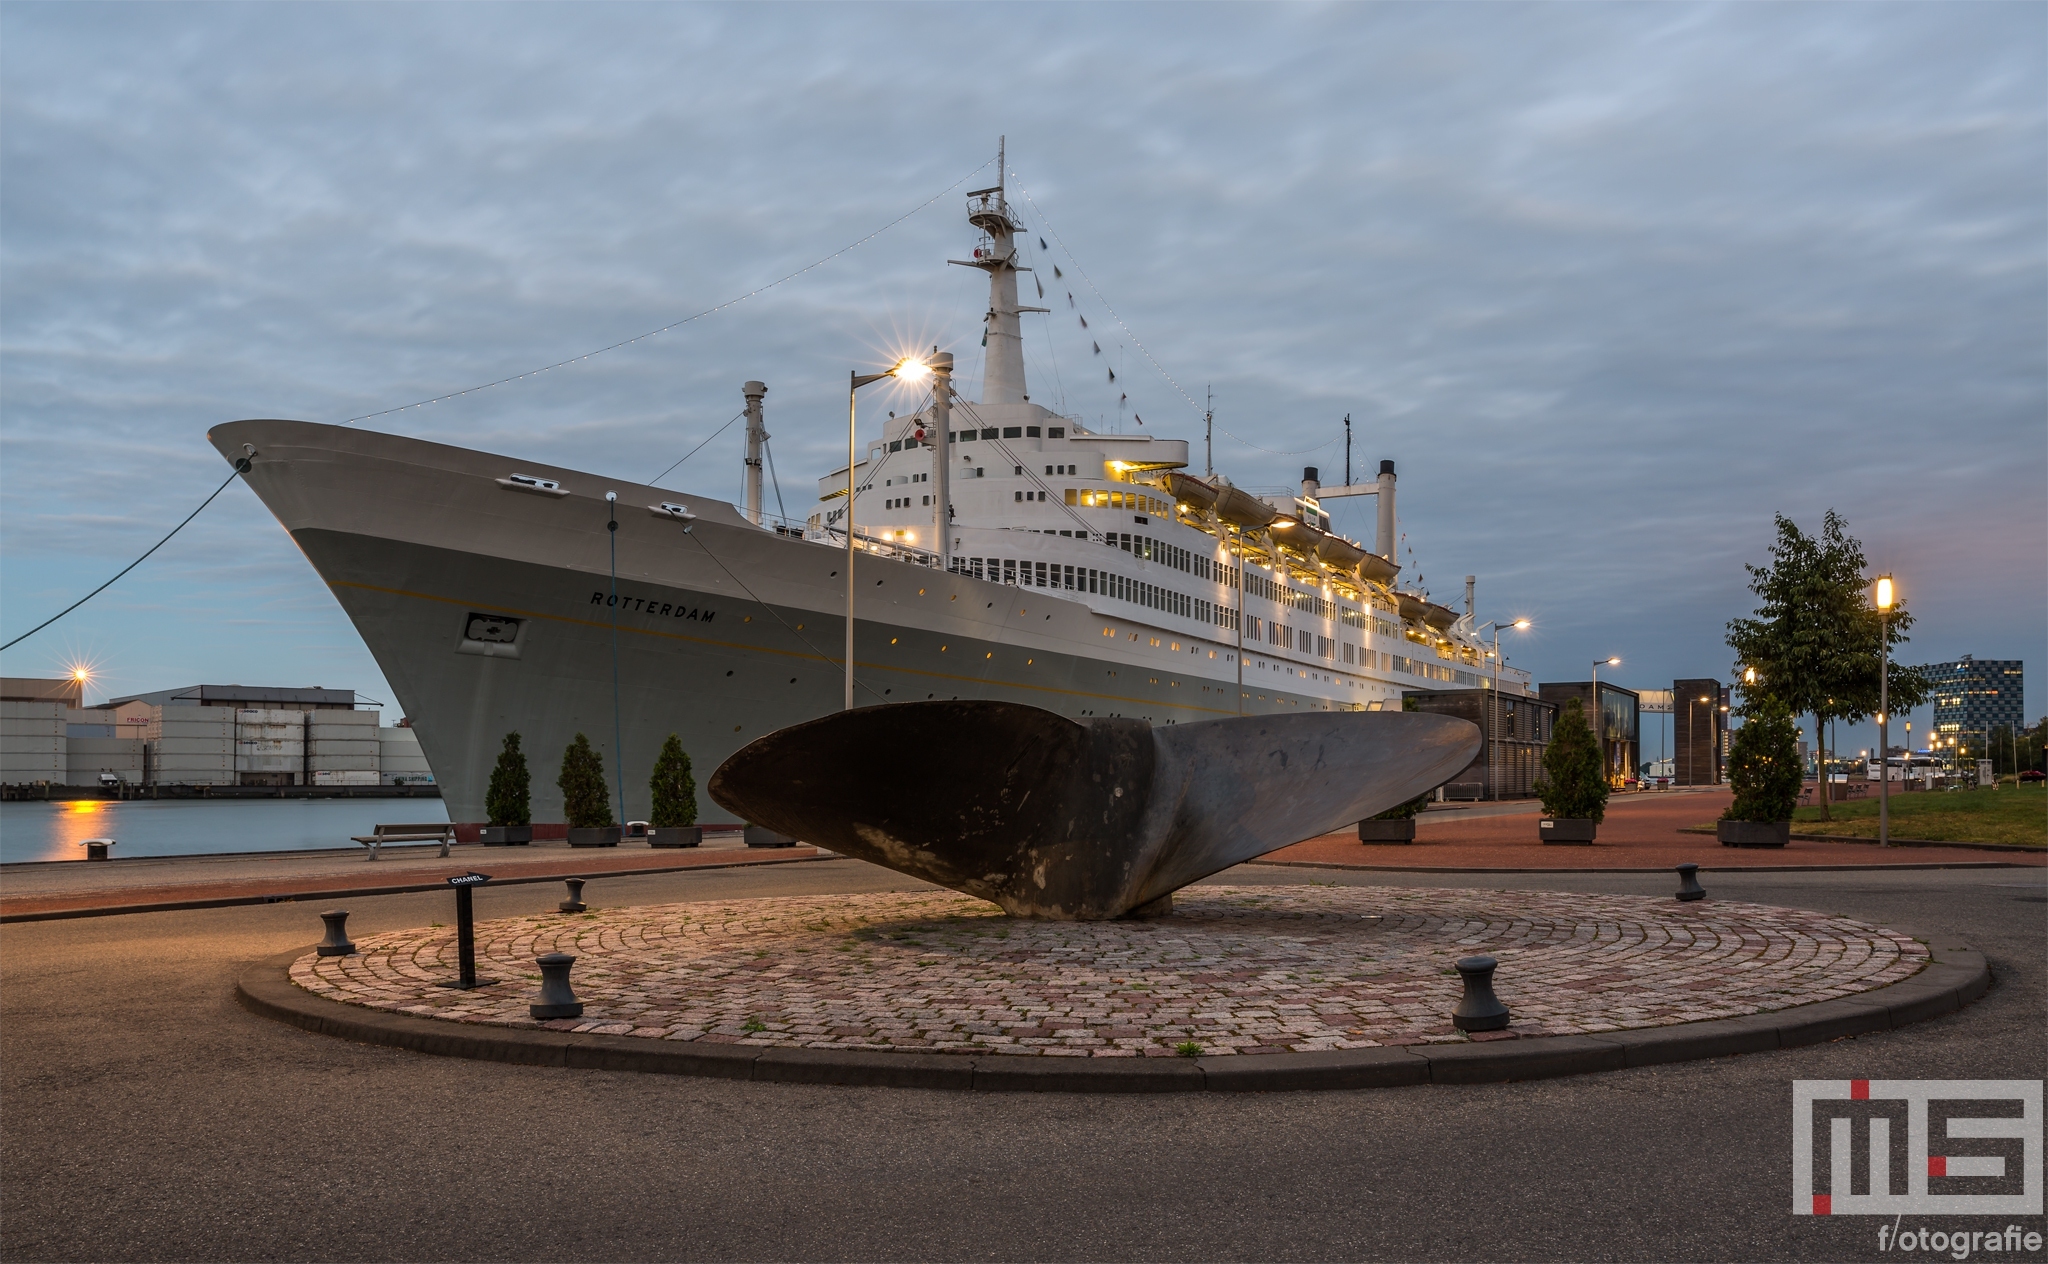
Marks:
<point>443,833</point>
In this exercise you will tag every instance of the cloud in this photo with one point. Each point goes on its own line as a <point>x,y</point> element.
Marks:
<point>1611,284</point>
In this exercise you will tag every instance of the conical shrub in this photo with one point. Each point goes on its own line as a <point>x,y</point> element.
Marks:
<point>1574,785</point>
<point>509,800</point>
<point>585,800</point>
<point>673,788</point>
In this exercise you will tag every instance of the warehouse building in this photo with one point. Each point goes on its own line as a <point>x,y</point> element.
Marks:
<point>202,735</point>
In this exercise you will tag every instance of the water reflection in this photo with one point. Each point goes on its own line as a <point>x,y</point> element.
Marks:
<point>162,827</point>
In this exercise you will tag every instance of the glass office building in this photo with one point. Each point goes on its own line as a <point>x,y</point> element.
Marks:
<point>1973,695</point>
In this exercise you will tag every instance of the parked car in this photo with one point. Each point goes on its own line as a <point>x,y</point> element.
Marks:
<point>2034,774</point>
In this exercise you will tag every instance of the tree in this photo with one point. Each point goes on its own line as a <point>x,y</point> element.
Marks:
<point>1814,639</point>
<point>1574,783</point>
<point>509,799</point>
<point>1763,764</point>
<point>585,801</point>
<point>673,788</point>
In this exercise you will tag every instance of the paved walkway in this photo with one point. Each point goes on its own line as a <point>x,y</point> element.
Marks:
<point>1235,970</point>
<point>1642,831</point>
<point>74,886</point>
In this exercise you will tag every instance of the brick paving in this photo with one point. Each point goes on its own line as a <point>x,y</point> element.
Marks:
<point>1235,970</point>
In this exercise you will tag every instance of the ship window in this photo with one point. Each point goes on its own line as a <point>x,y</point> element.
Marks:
<point>927,500</point>
<point>1012,432</point>
<point>988,432</point>
<point>1031,432</point>
<point>1041,575</point>
<point>1056,432</point>
<point>1048,469</point>
<point>896,446</point>
<point>1017,497</point>
<point>1009,570</point>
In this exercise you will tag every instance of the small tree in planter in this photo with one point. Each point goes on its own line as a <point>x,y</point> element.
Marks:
<point>509,800</point>
<point>1574,785</point>
<point>674,820</point>
<point>1396,824</point>
<point>1763,766</point>
<point>585,800</point>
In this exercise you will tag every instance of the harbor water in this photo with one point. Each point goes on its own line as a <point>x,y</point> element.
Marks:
<point>191,827</point>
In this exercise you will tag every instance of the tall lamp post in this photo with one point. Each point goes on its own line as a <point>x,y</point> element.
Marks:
<point>1598,744</point>
<point>1884,698</point>
<point>1493,703</point>
<point>908,370</point>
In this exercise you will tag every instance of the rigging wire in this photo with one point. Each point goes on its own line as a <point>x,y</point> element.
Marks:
<point>241,467</point>
<point>694,451</point>
<point>1135,341</point>
<point>734,302</point>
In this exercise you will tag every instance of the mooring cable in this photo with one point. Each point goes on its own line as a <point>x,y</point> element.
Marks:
<point>241,467</point>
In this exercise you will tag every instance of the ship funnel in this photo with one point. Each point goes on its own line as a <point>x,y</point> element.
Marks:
<point>1310,484</point>
<point>757,435</point>
<point>1385,542</point>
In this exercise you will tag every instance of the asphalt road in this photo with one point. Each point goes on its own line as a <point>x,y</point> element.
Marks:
<point>144,1115</point>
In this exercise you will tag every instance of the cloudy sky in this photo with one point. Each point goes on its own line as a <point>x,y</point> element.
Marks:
<point>1613,285</point>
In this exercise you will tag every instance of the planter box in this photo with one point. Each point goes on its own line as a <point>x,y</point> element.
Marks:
<point>1753,833</point>
<point>675,836</point>
<point>762,836</point>
<point>1574,830</point>
<point>505,835</point>
<point>1387,831</point>
<point>594,835</point>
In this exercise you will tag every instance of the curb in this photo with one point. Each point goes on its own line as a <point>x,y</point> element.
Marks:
<point>356,893</point>
<point>1663,869</point>
<point>1708,830</point>
<point>1953,978</point>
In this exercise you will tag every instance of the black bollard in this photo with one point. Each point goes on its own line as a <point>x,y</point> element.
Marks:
<point>557,999</point>
<point>1479,1009</point>
<point>465,932</point>
<point>96,848</point>
<point>574,904</point>
<point>336,944</point>
<point>1689,887</point>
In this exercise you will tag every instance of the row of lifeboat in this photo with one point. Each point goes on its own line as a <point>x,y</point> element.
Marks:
<point>1248,513</point>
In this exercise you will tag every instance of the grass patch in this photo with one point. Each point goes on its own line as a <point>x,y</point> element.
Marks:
<point>2009,815</point>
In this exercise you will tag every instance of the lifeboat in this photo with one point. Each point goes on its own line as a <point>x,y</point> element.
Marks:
<point>1339,552</point>
<point>1439,617</point>
<point>1236,506</point>
<point>1412,607</point>
<point>1189,490</point>
<point>1377,569</point>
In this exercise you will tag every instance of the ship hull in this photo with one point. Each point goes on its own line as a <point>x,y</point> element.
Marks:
<point>709,628</point>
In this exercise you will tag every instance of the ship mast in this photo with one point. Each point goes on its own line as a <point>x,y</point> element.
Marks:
<point>996,254</point>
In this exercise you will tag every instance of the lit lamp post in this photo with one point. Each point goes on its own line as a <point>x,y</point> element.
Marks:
<point>1598,744</point>
<point>1493,703</point>
<point>908,370</point>
<point>1884,698</point>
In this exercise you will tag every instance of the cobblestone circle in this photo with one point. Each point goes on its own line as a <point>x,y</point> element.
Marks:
<point>1234,970</point>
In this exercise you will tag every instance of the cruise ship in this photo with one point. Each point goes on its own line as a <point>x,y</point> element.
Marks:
<point>998,549</point>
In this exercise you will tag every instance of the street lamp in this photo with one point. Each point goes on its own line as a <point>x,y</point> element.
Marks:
<point>1493,703</point>
<point>908,369</point>
<point>1599,745</point>
<point>1884,746</point>
<point>1692,744</point>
